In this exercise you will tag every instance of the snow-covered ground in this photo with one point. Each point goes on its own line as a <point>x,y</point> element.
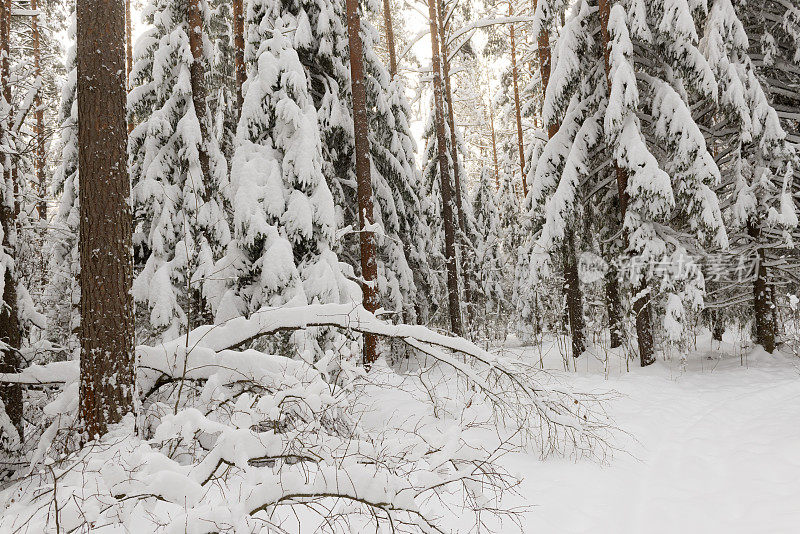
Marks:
<point>714,448</point>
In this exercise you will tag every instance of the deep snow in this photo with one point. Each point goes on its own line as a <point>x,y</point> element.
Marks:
<point>714,448</point>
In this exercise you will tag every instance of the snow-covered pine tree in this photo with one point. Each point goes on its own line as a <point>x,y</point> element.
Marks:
<point>284,219</point>
<point>757,158</point>
<point>321,44</point>
<point>659,160</point>
<point>488,284</point>
<point>178,171</point>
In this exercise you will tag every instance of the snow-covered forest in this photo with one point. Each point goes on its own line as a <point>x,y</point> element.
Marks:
<point>429,266</point>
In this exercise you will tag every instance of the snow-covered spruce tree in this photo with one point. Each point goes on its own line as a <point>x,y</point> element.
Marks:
<point>284,219</point>
<point>178,171</point>
<point>320,40</point>
<point>488,291</point>
<point>664,171</point>
<point>62,294</point>
<point>756,156</point>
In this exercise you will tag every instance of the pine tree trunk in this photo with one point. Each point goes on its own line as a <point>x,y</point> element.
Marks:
<point>641,306</point>
<point>444,176</point>
<point>765,333</point>
<point>572,287</point>
<point>199,312</point>
<point>106,333</point>
<point>10,361</point>
<point>369,264</point>
<point>462,223</point>
<point>41,180</point>
<point>389,29</point>
<point>194,17</point>
<point>238,44</point>
<point>613,306</point>
<point>515,79</point>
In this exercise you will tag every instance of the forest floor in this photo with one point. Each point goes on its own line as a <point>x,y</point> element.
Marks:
<point>710,448</point>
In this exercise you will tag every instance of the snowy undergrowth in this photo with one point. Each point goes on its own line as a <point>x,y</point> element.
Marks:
<point>235,440</point>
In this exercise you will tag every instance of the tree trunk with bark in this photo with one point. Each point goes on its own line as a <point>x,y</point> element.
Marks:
<point>369,264</point>
<point>461,217</point>
<point>444,176</point>
<point>641,303</point>
<point>517,110</point>
<point>765,327</point>
<point>389,30</point>
<point>199,311</point>
<point>572,286</point>
<point>106,332</point>
<point>238,44</point>
<point>614,307</point>
<point>10,360</point>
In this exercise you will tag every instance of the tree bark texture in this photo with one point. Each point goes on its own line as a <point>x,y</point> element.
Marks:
<point>444,176</point>
<point>106,333</point>
<point>614,307</point>
<point>10,362</point>
<point>461,217</point>
<point>389,30</point>
<point>641,304</point>
<point>369,264</point>
<point>762,306</point>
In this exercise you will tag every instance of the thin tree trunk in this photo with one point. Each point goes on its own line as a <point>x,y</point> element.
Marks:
<point>494,147</point>
<point>128,42</point>
<point>641,304</point>
<point>10,361</point>
<point>238,44</point>
<point>515,78</point>
<point>106,332</point>
<point>389,29</point>
<point>369,264</point>
<point>572,286</point>
<point>765,332</point>
<point>444,176</point>
<point>462,223</point>
<point>41,180</point>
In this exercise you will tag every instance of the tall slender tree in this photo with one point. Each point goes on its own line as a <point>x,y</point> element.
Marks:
<point>369,265</point>
<point>106,334</point>
<point>389,30</point>
<point>517,109</point>
<point>444,175</point>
